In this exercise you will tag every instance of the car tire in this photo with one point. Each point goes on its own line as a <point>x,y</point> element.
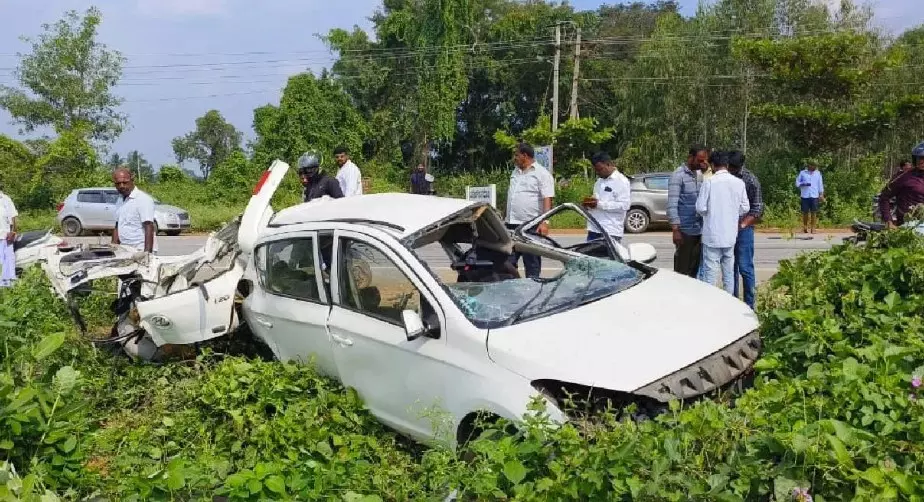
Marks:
<point>71,227</point>
<point>172,233</point>
<point>637,220</point>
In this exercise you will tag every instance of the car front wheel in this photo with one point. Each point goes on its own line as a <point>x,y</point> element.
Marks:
<point>637,220</point>
<point>71,227</point>
<point>173,233</point>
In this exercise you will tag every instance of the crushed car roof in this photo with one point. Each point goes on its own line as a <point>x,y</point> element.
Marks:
<point>406,213</point>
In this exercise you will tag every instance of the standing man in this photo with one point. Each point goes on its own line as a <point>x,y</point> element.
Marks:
<point>8,215</point>
<point>744,246</point>
<point>611,199</point>
<point>682,192</point>
<point>529,195</point>
<point>134,214</point>
<point>812,190</point>
<point>421,181</point>
<point>722,201</point>
<point>316,184</point>
<point>351,180</point>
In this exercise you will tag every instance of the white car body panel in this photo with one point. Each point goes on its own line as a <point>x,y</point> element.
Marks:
<point>598,344</point>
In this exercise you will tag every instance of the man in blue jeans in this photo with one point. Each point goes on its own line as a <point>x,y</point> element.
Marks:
<point>744,247</point>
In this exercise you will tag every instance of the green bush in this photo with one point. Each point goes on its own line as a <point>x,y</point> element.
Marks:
<point>834,411</point>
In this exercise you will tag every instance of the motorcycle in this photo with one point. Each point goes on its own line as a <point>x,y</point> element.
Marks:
<point>29,246</point>
<point>863,229</point>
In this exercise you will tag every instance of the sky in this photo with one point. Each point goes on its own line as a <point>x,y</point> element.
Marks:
<point>236,54</point>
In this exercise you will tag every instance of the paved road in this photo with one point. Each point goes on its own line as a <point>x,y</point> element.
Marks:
<point>769,248</point>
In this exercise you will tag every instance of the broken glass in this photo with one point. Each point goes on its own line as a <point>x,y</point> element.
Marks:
<point>584,279</point>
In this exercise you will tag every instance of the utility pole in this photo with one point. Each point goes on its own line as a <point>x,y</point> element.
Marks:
<point>577,72</point>
<point>555,77</point>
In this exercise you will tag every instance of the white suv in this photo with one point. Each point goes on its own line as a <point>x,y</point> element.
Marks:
<point>94,209</point>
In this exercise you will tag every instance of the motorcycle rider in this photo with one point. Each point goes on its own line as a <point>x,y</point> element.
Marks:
<point>316,183</point>
<point>907,189</point>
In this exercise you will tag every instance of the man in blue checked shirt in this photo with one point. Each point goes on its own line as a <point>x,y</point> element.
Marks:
<point>812,191</point>
<point>744,247</point>
<point>687,226</point>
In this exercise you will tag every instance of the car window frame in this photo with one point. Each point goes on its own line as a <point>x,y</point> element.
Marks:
<point>261,250</point>
<point>399,261</point>
<point>98,193</point>
<point>665,179</point>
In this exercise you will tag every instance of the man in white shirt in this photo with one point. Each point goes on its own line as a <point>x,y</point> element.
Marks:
<point>611,200</point>
<point>529,195</point>
<point>134,214</point>
<point>8,216</point>
<point>722,201</point>
<point>351,180</point>
<point>811,190</point>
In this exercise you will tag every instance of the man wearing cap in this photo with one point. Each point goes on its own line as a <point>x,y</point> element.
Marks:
<point>316,183</point>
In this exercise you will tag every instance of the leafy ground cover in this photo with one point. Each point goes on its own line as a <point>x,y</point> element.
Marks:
<point>835,414</point>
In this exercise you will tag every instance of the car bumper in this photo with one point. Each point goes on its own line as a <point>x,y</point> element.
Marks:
<point>183,225</point>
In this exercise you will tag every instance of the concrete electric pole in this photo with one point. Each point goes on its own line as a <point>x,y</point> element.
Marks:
<point>577,74</point>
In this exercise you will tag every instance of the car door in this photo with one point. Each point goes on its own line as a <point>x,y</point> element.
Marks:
<point>657,186</point>
<point>110,203</point>
<point>404,383</point>
<point>289,307</point>
<point>90,208</point>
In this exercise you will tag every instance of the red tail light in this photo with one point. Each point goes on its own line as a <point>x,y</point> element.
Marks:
<point>260,183</point>
<point>60,206</point>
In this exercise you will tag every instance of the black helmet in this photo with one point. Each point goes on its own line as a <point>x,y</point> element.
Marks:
<point>309,160</point>
<point>917,153</point>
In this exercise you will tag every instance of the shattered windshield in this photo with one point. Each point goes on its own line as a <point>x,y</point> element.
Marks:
<point>582,279</point>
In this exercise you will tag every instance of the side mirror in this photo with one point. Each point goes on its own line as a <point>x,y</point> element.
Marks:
<point>642,252</point>
<point>413,325</point>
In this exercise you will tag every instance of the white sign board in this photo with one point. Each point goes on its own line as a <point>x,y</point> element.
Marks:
<point>544,156</point>
<point>483,194</point>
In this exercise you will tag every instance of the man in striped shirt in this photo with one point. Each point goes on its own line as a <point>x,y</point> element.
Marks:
<point>744,246</point>
<point>687,226</point>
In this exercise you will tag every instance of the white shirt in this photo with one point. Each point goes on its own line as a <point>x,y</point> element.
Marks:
<point>722,201</point>
<point>350,179</point>
<point>526,192</point>
<point>131,213</point>
<point>816,185</point>
<point>613,201</point>
<point>7,213</point>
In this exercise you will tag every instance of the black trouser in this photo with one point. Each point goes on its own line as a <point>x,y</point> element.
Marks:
<point>531,263</point>
<point>688,255</point>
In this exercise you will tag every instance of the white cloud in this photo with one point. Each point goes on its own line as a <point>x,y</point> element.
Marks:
<point>182,7</point>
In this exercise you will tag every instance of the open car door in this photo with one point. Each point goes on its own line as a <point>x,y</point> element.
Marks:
<point>198,304</point>
<point>606,247</point>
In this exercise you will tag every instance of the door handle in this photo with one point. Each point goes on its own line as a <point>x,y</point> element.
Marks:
<point>345,342</point>
<point>264,322</point>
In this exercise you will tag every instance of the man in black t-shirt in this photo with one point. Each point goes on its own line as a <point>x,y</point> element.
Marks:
<point>316,183</point>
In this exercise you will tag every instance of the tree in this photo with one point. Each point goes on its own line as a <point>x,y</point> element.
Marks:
<point>67,81</point>
<point>210,144</point>
<point>314,114</point>
<point>115,161</point>
<point>140,166</point>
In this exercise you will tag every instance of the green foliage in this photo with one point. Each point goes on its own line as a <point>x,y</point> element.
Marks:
<point>573,143</point>
<point>171,174</point>
<point>835,410</point>
<point>314,114</point>
<point>68,80</point>
<point>213,141</point>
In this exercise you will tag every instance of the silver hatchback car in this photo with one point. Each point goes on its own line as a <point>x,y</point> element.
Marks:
<point>94,209</point>
<point>649,201</point>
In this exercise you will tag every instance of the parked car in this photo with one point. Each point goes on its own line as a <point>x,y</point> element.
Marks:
<point>94,209</point>
<point>649,201</point>
<point>409,300</point>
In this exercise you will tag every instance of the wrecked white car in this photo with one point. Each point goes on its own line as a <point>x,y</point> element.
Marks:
<point>410,300</point>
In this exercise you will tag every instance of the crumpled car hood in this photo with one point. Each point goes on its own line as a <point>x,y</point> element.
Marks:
<point>628,340</point>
